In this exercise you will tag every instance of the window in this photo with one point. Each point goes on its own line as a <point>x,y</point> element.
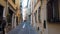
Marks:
<point>38,28</point>
<point>9,16</point>
<point>45,24</point>
<point>39,14</point>
<point>17,20</point>
<point>1,11</point>
<point>1,14</point>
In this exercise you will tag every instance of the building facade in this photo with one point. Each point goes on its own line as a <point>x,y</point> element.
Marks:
<point>39,16</point>
<point>10,10</point>
<point>41,13</point>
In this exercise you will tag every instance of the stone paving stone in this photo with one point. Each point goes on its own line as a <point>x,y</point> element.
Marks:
<point>23,28</point>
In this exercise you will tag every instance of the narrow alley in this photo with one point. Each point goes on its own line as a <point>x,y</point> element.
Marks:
<point>29,16</point>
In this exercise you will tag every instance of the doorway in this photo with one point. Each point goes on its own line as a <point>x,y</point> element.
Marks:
<point>52,11</point>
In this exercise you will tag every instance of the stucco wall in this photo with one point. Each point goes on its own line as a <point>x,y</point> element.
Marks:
<point>12,4</point>
<point>44,16</point>
<point>2,2</point>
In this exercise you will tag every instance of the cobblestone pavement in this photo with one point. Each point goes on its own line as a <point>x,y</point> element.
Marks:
<point>23,28</point>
